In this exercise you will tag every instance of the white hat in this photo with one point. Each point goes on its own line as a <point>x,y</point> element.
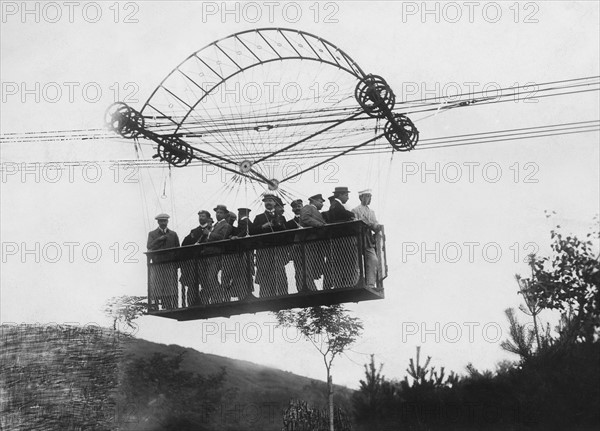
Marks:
<point>365,192</point>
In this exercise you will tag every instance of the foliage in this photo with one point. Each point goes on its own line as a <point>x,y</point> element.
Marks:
<point>425,376</point>
<point>569,281</point>
<point>376,396</point>
<point>125,309</point>
<point>330,329</point>
<point>521,336</point>
<point>175,398</point>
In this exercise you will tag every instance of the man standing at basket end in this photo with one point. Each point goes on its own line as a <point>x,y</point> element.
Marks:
<point>367,215</point>
<point>163,274</point>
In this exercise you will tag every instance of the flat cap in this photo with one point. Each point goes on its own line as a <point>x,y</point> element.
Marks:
<point>269,196</point>
<point>318,197</point>
<point>162,216</point>
<point>204,212</point>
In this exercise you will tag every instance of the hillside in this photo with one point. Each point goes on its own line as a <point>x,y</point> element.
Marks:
<point>63,377</point>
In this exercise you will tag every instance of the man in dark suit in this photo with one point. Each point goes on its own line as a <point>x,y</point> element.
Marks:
<point>337,211</point>
<point>325,214</point>
<point>193,274</point>
<point>295,250</point>
<point>229,267</point>
<point>243,263</point>
<point>294,223</point>
<point>199,234</point>
<point>269,221</point>
<point>163,272</point>
<point>343,254</point>
<point>221,230</point>
<point>270,260</point>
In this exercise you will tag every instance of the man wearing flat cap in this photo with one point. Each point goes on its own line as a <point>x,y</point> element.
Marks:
<point>315,250</point>
<point>163,275</point>
<point>162,237</point>
<point>294,223</point>
<point>367,215</point>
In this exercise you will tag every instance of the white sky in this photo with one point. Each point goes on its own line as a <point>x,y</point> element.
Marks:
<point>544,42</point>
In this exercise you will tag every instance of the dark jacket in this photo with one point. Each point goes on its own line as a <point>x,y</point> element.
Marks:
<point>337,213</point>
<point>277,223</point>
<point>195,236</point>
<point>293,223</point>
<point>158,241</point>
<point>243,228</point>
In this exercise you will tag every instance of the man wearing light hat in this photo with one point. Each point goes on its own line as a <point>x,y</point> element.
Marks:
<point>367,215</point>
<point>162,237</point>
<point>163,276</point>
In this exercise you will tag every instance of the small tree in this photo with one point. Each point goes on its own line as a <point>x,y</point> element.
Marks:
<point>521,337</point>
<point>125,309</point>
<point>568,281</point>
<point>377,398</point>
<point>330,329</point>
<point>424,376</point>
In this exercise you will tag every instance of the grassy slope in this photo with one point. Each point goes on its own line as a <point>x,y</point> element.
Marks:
<point>261,392</point>
<point>64,377</point>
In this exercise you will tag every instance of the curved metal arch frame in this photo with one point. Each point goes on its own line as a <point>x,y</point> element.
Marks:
<point>358,73</point>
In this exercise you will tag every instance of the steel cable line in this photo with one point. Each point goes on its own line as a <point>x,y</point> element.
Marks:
<point>382,147</point>
<point>20,137</point>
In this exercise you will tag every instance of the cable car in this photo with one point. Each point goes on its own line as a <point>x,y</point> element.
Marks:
<point>268,272</point>
<point>191,118</point>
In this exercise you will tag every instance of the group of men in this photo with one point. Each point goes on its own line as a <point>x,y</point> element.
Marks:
<point>202,285</point>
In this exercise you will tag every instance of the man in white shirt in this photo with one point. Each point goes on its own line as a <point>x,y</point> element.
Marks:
<point>367,215</point>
